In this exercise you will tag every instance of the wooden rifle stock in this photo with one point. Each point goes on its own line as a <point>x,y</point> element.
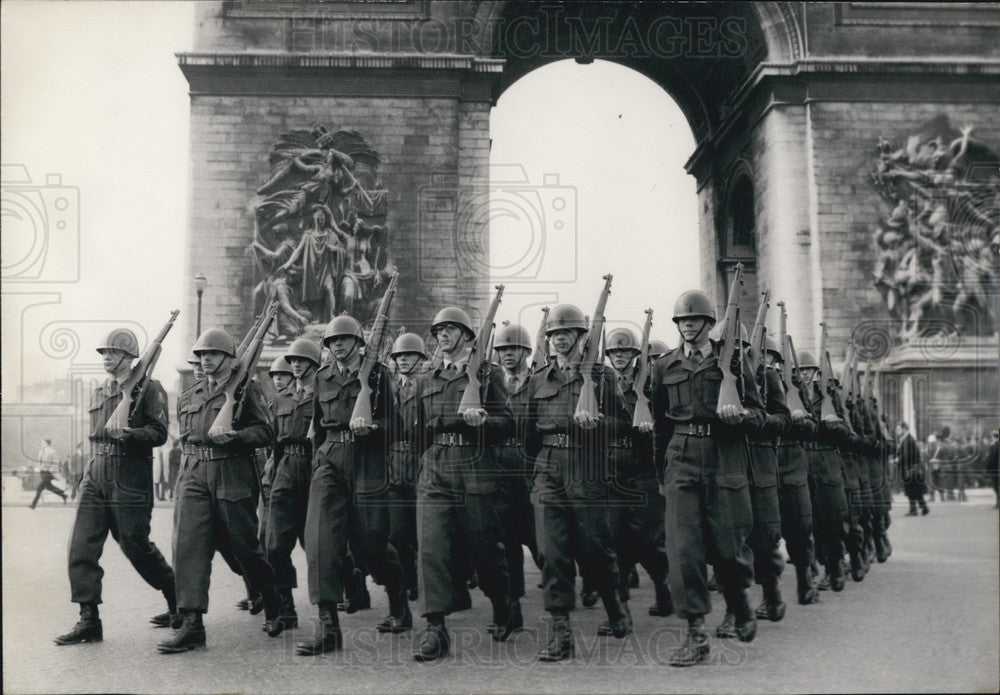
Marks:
<point>729,392</point>
<point>134,387</point>
<point>643,414</point>
<point>472,396</point>
<point>587,402</point>
<point>788,359</point>
<point>541,356</point>
<point>827,411</point>
<point>363,403</point>
<point>235,388</point>
<point>759,331</point>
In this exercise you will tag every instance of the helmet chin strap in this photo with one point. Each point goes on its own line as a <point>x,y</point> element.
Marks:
<point>704,326</point>
<point>118,366</point>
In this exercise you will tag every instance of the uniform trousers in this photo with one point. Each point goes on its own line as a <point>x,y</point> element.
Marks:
<point>286,515</point>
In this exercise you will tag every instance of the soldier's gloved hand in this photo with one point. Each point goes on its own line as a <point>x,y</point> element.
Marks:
<point>645,427</point>
<point>359,428</point>
<point>586,420</point>
<point>731,414</point>
<point>799,417</point>
<point>221,436</point>
<point>474,417</point>
<point>119,433</point>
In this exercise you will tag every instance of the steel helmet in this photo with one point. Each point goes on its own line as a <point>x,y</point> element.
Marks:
<point>193,358</point>
<point>306,349</point>
<point>408,342</point>
<point>718,332</point>
<point>694,303</point>
<point>121,339</point>
<point>806,359</point>
<point>280,366</point>
<point>215,339</point>
<point>770,345</point>
<point>621,339</point>
<point>657,348</point>
<point>566,316</point>
<point>452,314</point>
<point>512,335</point>
<point>343,325</point>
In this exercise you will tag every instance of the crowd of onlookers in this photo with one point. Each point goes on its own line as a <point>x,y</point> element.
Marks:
<point>952,464</point>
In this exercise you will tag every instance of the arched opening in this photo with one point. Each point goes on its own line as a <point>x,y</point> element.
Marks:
<point>587,177</point>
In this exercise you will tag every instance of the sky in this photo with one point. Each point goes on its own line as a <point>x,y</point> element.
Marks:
<point>91,93</point>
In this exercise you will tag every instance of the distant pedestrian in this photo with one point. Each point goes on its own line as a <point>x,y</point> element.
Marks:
<point>77,462</point>
<point>47,460</point>
<point>911,470</point>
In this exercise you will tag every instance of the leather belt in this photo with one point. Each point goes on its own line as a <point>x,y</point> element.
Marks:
<point>110,449</point>
<point>558,441</point>
<point>400,446</point>
<point>623,443</point>
<point>298,449</point>
<point>694,429</point>
<point>213,453</point>
<point>512,441</point>
<point>452,439</point>
<point>189,449</point>
<point>818,446</point>
<point>340,436</point>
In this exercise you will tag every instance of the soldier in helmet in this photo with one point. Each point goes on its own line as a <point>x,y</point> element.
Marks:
<point>117,492</point>
<point>826,479</point>
<point>517,518</point>
<point>639,534</point>
<point>218,492</point>
<point>657,349</point>
<point>408,354</point>
<point>572,485</point>
<point>793,483</point>
<point>291,417</point>
<point>349,486</point>
<point>457,487</point>
<point>700,444</point>
<point>281,377</point>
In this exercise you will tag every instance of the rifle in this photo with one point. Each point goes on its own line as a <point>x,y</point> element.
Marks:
<point>489,345</point>
<point>729,393</point>
<point>253,330</point>
<point>134,387</point>
<point>759,331</point>
<point>827,411</point>
<point>471,397</point>
<point>590,356</point>
<point>387,349</point>
<point>870,395</point>
<point>643,414</point>
<point>236,384</point>
<point>788,359</point>
<point>363,403</point>
<point>541,355</point>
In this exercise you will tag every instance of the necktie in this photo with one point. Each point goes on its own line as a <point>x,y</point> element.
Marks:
<point>511,382</point>
<point>695,356</point>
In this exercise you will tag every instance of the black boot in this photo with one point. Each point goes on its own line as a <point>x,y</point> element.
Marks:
<point>506,618</point>
<point>806,589</point>
<point>272,613</point>
<point>858,567</point>
<point>633,578</point>
<point>619,618</point>
<point>695,647</point>
<point>358,598</point>
<point>727,628</point>
<point>435,642</point>
<point>664,605</point>
<point>171,618</point>
<point>560,646</point>
<point>288,617</point>
<point>327,638</point>
<point>190,635</point>
<point>740,622</point>
<point>772,607</point>
<point>87,629</point>
<point>400,619</point>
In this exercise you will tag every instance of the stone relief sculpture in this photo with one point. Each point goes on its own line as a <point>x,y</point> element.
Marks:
<point>937,251</point>
<point>321,246</point>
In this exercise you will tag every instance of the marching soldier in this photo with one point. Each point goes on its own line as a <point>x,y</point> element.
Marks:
<point>292,468</point>
<point>793,485</point>
<point>457,488</point>
<point>826,475</point>
<point>216,503</point>
<point>572,481</point>
<point>700,445</point>
<point>117,492</point>
<point>349,486</point>
<point>639,534</point>
<point>517,518</point>
<point>855,473</point>
<point>408,354</point>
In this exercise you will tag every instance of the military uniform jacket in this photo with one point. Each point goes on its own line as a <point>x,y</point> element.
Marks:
<point>778,419</point>
<point>292,417</point>
<point>639,465</point>
<point>686,392</point>
<point>150,418</point>
<point>582,470</point>
<point>199,406</point>
<point>825,461</point>
<point>472,466</point>
<point>403,454</point>
<point>333,405</point>
<point>512,456</point>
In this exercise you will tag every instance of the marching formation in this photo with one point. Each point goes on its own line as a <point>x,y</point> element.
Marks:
<point>596,450</point>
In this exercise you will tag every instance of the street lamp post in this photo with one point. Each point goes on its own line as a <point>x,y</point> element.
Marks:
<point>200,282</point>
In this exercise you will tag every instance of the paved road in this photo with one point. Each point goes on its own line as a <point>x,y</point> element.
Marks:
<point>925,621</point>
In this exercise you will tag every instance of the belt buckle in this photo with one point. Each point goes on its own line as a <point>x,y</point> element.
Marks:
<point>562,440</point>
<point>451,438</point>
